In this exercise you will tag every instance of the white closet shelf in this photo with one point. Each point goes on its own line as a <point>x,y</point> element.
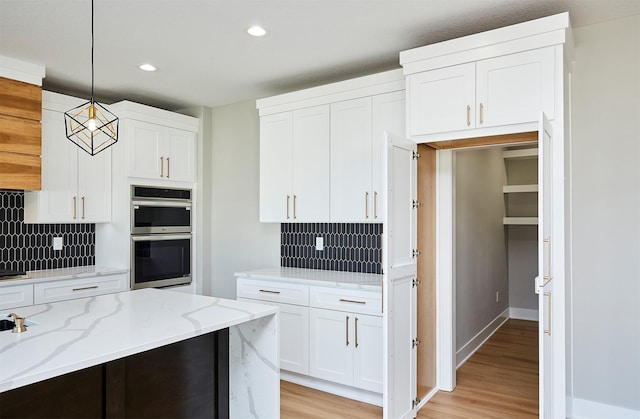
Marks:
<point>520,220</point>
<point>522,153</point>
<point>519,188</point>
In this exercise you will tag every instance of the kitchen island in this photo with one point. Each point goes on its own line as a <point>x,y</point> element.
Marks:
<point>141,353</point>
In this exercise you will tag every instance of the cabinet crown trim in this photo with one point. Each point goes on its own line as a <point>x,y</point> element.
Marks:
<point>136,111</point>
<point>538,33</point>
<point>21,70</point>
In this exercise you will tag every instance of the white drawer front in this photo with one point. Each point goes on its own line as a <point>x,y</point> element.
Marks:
<point>354,301</point>
<point>16,296</point>
<point>50,292</point>
<point>278,292</point>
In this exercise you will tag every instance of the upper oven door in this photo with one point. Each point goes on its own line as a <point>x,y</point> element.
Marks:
<point>157,216</point>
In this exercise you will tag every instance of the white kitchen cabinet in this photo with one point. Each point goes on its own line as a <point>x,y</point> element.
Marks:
<point>68,289</point>
<point>294,166</point>
<point>357,136</point>
<point>76,187</point>
<point>159,152</point>
<point>499,91</point>
<point>331,345</point>
<point>368,351</point>
<point>16,296</point>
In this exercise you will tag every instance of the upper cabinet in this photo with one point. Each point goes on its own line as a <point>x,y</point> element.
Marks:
<point>160,145</point>
<point>499,91</point>
<point>294,166</point>
<point>321,150</point>
<point>160,152</point>
<point>76,187</point>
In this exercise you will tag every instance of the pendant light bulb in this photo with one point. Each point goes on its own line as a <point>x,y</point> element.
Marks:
<point>91,124</point>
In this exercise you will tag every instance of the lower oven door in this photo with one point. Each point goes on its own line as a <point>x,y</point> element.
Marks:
<point>160,260</point>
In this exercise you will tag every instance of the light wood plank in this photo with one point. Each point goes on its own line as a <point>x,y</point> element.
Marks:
<point>19,171</point>
<point>517,138</point>
<point>19,135</point>
<point>22,100</point>
<point>499,381</point>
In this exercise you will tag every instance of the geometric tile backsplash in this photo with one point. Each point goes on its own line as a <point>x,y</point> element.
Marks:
<point>28,247</point>
<point>347,246</point>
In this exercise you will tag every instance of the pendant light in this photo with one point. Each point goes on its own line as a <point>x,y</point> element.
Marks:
<point>91,126</point>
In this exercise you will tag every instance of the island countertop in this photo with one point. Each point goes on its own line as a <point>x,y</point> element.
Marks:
<point>76,334</point>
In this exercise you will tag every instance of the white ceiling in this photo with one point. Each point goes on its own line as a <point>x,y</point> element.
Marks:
<point>204,56</point>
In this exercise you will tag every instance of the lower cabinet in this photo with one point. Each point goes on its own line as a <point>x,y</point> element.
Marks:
<point>16,296</point>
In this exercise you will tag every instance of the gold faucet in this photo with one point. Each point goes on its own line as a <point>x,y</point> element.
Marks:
<point>19,321</point>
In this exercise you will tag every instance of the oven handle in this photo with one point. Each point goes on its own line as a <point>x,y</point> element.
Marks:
<point>174,204</point>
<point>157,237</point>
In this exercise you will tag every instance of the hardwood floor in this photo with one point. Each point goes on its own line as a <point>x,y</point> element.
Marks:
<point>498,381</point>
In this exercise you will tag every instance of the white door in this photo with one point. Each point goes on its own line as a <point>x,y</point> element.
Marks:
<point>311,164</point>
<point>545,267</point>
<point>367,347</point>
<point>276,136</point>
<point>180,155</point>
<point>146,154</point>
<point>399,270</point>
<point>294,338</point>
<point>94,186</point>
<point>331,345</point>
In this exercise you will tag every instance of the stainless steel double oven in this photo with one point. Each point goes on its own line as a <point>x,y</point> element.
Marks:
<point>160,237</point>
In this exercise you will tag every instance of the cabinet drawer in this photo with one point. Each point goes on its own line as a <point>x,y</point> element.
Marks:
<point>354,301</point>
<point>77,288</point>
<point>278,292</point>
<point>16,296</point>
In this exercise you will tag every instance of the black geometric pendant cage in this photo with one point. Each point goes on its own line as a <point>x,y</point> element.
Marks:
<point>91,126</point>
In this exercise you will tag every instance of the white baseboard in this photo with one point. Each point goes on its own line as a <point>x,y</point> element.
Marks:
<point>523,314</point>
<point>333,388</point>
<point>586,409</point>
<point>478,340</point>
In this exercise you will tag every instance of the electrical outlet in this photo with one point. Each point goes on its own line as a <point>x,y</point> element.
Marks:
<point>497,296</point>
<point>320,243</point>
<point>57,243</point>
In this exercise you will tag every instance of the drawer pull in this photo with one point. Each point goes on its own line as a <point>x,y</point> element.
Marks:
<point>92,287</point>
<point>270,292</point>
<point>344,300</point>
<point>356,332</point>
<point>346,335</point>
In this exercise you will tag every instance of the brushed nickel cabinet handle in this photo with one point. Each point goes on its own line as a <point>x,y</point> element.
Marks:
<point>168,167</point>
<point>356,321</point>
<point>161,166</point>
<point>344,300</point>
<point>288,198</point>
<point>295,198</point>
<point>366,205</point>
<point>75,210</point>
<point>270,292</point>
<point>548,330</point>
<point>82,199</point>
<point>347,330</point>
<point>468,115</point>
<point>481,113</point>
<point>375,205</point>
<point>85,288</point>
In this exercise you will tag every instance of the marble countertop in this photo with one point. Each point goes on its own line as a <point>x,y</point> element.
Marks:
<point>318,277</point>
<point>75,334</point>
<point>33,277</point>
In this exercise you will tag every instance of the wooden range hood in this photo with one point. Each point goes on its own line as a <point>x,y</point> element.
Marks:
<point>20,135</point>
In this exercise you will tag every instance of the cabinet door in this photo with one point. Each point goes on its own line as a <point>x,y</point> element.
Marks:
<point>442,100</point>
<point>16,296</point>
<point>294,338</point>
<point>351,190</point>
<point>311,164</point>
<point>180,155</point>
<point>546,367</point>
<point>276,136</point>
<point>59,172</point>
<point>515,88</point>
<point>367,357</point>
<point>388,115</point>
<point>146,154</point>
<point>331,345</point>
<point>94,186</point>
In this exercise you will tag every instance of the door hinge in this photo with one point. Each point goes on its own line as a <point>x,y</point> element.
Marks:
<point>415,253</point>
<point>415,343</point>
<point>415,402</point>
<point>415,282</point>
<point>416,155</point>
<point>416,204</point>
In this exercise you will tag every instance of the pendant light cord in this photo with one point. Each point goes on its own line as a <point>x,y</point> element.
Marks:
<point>92,70</point>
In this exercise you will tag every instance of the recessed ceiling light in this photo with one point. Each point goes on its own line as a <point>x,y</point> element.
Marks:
<point>147,67</point>
<point>256,31</point>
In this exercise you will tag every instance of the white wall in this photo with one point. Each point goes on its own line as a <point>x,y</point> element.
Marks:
<point>522,245</point>
<point>480,250</point>
<point>238,240</point>
<point>605,199</point>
